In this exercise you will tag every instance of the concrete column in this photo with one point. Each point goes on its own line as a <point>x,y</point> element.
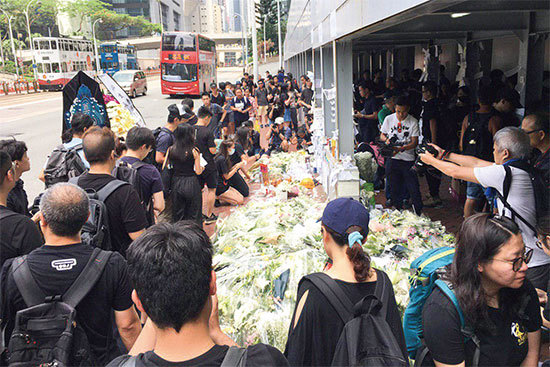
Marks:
<point>318,76</point>
<point>531,64</point>
<point>389,63</point>
<point>328,83</point>
<point>433,64</point>
<point>343,60</point>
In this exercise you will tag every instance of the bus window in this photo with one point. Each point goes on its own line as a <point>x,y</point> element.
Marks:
<point>36,45</point>
<point>44,45</point>
<point>55,67</point>
<point>178,42</point>
<point>54,44</point>
<point>179,72</point>
<point>40,67</point>
<point>64,67</point>
<point>47,68</point>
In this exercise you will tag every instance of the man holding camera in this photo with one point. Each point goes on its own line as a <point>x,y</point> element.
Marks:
<point>401,131</point>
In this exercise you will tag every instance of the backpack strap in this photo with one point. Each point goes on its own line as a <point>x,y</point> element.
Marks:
<point>235,357</point>
<point>25,282</point>
<point>87,278</point>
<point>504,196</point>
<point>138,164</point>
<point>335,295</point>
<point>468,332</point>
<point>377,301</point>
<point>129,362</point>
<point>108,189</point>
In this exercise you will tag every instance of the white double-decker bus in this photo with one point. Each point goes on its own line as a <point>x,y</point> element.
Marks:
<point>59,59</point>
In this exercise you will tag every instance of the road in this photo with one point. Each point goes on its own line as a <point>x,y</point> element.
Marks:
<point>36,120</point>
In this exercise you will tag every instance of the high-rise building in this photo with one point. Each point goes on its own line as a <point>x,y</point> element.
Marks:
<point>169,13</point>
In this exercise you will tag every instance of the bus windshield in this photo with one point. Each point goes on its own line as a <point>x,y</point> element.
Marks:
<point>179,72</point>
<point>178,42</point>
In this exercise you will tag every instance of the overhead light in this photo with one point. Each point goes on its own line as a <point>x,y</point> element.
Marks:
<point>459,15</point>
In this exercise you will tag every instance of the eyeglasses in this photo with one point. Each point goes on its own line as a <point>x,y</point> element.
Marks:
<point>518,262</point>
<point>530,132</point>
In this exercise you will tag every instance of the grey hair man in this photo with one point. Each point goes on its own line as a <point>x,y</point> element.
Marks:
<point>57,264</point>
<point>510,145</point>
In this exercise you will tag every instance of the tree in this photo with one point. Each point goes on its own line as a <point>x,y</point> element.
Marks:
<point>84,10</point>
<point>267,9</point>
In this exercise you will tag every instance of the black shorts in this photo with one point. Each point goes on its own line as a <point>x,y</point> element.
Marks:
<point>209,177</point>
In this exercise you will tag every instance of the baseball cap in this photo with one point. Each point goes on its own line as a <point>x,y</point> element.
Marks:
<point>389,94</point>
<point>279,120</point>
<point>342,213</point>
<point>213,85</point>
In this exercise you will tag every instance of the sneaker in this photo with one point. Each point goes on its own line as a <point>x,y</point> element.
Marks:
<point>433,202</point>
<point>211,219</point>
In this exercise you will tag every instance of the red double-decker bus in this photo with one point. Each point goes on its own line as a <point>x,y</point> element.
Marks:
<point>187,63</point>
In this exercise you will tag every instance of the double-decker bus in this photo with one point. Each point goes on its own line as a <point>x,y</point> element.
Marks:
<point>115,57</point>
<point>188,63</point>
<point>58,60</point>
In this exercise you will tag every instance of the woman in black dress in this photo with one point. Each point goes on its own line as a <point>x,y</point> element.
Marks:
<point>186,191</point>
<point>226,170</point>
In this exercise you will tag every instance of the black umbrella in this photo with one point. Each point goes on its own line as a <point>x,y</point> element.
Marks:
<point>83,94</point>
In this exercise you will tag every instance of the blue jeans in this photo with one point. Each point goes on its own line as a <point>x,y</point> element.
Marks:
<point>402,179</point>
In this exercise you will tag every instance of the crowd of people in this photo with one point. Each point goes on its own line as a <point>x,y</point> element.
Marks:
<point>146,200</point>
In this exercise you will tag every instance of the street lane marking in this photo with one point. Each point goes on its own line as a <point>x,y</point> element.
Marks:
<point>29,103</point>
<point>34,114</point>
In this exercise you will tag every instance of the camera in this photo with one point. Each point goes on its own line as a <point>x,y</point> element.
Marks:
<point>386,150</point>
<point>419,166</point>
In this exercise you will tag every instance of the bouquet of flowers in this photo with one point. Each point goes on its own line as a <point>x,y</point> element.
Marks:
<point>366,165</point>
<point>120,118</point>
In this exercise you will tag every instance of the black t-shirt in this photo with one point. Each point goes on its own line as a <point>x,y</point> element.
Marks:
<point>204,140</point>
<point>237,156</point>
<point>508,346</point>
<point>126,213</point>
<point>223,169</point>
<point>430,111</point>
<point>260,355</point>
<point>18,235</point>
<point>509,119</point>
<point>313,341</point>
<point>307,95</point>
<point>219,99</point>
<point>17,199</point>
<point>193,120</point>
<point>112,292</point>
<point>243,104</point>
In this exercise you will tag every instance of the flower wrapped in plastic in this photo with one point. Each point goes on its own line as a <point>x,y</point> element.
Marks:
<point>120,118</point>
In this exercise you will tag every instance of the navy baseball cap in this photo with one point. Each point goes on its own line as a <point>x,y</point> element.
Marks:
<point>342,213</point>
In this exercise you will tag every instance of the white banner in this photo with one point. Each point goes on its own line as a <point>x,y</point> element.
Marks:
<point>120,95</point>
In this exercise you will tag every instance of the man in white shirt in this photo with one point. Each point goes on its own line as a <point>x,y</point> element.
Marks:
<point>510,145</point>
<point>403,127</point>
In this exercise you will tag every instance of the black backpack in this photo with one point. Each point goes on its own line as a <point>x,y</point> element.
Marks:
<point>235,357</point>
<point>47,332</point>
<point>477,140</point>
<point>63,165</point>
<point>151,157</point>
<point>95,231</point>
<point>367,339</point>
<point>129,173</point>
<point>542,196</point>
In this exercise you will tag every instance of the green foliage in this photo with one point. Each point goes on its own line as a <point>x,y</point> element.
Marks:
<point>267,9</point>
<point>42,15</point>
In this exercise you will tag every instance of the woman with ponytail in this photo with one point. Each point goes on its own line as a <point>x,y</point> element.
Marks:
<point>315,326</point>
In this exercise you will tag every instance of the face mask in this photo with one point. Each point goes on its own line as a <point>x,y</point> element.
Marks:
<point>231,151</point>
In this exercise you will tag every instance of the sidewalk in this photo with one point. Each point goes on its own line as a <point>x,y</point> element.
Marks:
<point>450,215</point>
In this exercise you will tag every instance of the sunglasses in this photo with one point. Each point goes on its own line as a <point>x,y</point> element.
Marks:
<point>518,262</point>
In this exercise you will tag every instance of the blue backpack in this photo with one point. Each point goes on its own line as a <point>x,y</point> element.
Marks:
<point>424,277</point>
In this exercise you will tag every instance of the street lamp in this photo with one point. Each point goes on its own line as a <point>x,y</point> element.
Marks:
<point>244,44</point>
<point>96,55</point>
<point>30,39</point>
<point>11,40</point>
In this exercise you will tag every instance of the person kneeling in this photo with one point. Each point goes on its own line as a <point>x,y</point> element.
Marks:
<point>226,170</point>
<point>174,285</point>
